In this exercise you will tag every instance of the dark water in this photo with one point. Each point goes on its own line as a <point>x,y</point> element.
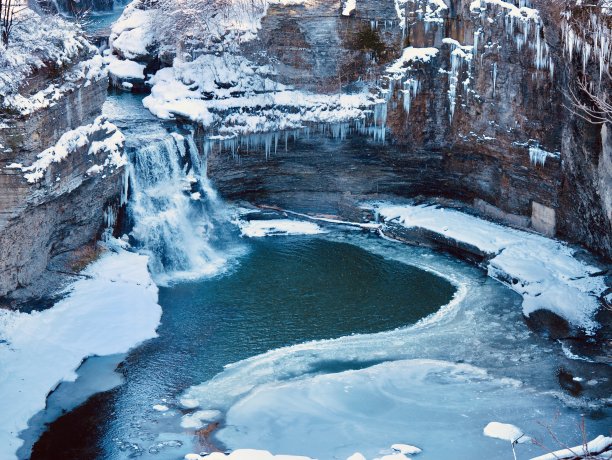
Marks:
<point>283,291</point>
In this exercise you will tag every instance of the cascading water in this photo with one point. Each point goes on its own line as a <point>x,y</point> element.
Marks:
<point>176,214</point>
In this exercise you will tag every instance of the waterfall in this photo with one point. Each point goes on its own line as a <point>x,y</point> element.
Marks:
<point>176,214</point>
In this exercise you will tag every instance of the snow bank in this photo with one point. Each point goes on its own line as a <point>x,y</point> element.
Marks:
<point>110,311</point>
<point>258,228</point>
<point>71,141</point>
<point>126,69</point>
<point>544,271</point>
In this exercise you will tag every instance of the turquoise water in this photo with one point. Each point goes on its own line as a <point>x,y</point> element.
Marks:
<point>284,291</point>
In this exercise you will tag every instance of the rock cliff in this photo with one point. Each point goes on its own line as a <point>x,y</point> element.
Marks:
<point>60,170</point>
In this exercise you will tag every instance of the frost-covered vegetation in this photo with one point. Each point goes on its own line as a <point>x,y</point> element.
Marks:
<point>38,42</point>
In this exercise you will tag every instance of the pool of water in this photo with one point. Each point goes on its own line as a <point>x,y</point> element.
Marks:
<point>283,291</point>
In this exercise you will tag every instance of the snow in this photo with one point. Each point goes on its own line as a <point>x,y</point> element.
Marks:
<point>599,444</point>
<point>133,33</point>
<point>524,13</point>
<point>126,69</point>
<point>35,43</point>
<point>349,7</point>
<point>219,88</point>
<point>506,432</point>
<point>259,228</point>
<point>544,271</point>
<point>77,138</point>
<point>409,55</point>
<point>110,310</point>
<point>262,105</point>
<point>160,407</point>
<point>79,75</point>
<point>200,418</point>
<point>356,456</point>
<point>406,449</point>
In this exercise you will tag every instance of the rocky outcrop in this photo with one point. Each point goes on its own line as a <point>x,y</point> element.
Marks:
<point>59,170</point>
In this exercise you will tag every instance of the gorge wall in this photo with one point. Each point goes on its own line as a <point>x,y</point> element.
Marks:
<point>60,169</point>
<point>483,120</point>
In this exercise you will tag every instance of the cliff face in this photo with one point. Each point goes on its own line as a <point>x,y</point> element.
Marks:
<point>60,168</point>
<point>482,118</point>
<point>541,160</point>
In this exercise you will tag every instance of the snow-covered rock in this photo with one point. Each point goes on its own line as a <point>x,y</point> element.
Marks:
<point>35,43</point>
<point>110,145</point>
<point>506,432</point>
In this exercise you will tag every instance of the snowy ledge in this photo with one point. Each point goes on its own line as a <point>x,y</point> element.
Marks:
<point>81,75</point>
<point>40,42</point>
<point>542,270</point>
<point>112,309</point>
<point>110,144</point>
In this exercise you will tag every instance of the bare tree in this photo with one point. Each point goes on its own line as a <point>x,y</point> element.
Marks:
<point>587,33</point>
<point>588,103</point>
<point>9,9</point>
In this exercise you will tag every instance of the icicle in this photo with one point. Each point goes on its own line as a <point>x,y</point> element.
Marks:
<point>494,77</point>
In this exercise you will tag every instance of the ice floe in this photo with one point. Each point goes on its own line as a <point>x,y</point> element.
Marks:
<point>259,228</point>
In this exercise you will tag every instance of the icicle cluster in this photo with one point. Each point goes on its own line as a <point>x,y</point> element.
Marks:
<point>591,43</point>
<point>459,56</point>
<point>538,156</point>
<point>269,142</point>
<point>525,26</point>
<point>401,75</point>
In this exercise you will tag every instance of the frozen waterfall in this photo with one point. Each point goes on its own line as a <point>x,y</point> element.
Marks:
<point>176,214</point>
